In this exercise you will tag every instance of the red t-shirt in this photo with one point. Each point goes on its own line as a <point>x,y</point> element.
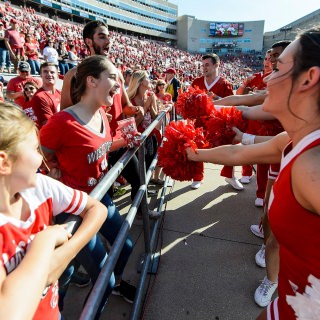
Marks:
<point>257,81</point>
<point>16,85</point>
<point>167,97</point>
<point>14,39</point>
<point>48,199</point>
<point>256,126</point>
<point>221,87</point>
<point>296,230</point>
<point>82,153</point>
<point>28,110</point>
<point>29,47</point>
<point>45,105</point>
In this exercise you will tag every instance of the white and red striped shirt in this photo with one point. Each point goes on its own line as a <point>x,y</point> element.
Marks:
<point>47,199</point>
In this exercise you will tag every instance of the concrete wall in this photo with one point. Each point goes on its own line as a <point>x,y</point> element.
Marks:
<point>291,30</point>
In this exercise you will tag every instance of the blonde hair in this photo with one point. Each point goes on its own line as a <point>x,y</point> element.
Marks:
<point>14,127</point>
<point>136,79</point>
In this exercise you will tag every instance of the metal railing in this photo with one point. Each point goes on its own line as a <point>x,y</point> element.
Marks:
<point>94,300</point>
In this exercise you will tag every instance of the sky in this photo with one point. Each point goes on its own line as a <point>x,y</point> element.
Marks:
<point>276,13</point>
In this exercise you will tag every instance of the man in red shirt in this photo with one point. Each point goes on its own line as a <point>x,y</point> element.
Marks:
<point>256,82</point>
<point>15,85</point>
<point>46,101</point>
<point>216,87</point>
<point>14,44</point>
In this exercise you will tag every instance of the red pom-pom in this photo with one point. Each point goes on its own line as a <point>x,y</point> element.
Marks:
<point>265,127</point>
<point>172,155</point>
<point>219,126</point>
<point>269,128</point>
<point>194,104</point>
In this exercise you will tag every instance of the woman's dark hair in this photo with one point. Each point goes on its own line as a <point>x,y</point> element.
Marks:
<point>306,56</point>
<point>91,66</point>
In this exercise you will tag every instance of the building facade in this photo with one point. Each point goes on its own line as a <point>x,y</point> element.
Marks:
<point>154,19</point>
<point>221,37</point>
<point>291,30</point>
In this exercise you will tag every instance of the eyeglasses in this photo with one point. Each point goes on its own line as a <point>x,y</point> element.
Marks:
<point>161,85</point>
<point>26,89</point>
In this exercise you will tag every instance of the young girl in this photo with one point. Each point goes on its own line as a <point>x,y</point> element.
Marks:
<point>294,206</point>
<point>33,254</point>
<point>76,142</point>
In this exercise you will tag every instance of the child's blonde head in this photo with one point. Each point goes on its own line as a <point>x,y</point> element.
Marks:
<point>15,126</point>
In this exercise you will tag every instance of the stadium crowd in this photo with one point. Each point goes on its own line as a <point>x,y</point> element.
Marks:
<point>126,52</point>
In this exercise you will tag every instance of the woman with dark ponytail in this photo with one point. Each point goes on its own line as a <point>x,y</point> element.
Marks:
<point>76,143</point>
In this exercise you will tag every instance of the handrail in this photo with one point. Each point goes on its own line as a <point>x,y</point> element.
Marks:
<point>98,192</point>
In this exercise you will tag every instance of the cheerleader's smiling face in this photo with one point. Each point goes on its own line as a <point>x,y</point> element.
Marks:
<point>279,82</point>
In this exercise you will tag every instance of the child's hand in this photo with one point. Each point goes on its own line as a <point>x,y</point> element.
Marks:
<point>57,232</point>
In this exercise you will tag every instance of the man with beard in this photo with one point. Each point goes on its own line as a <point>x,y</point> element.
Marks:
<point>96,38</point>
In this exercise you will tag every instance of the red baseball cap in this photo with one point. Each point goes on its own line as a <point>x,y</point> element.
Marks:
<point>13,21</point>
<point>170,70</point>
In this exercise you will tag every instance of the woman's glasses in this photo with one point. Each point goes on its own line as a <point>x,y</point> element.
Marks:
<point>161,85</point>
<point>26,89</point>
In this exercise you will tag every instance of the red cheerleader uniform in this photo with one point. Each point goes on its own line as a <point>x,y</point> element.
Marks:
<point>297,232</point>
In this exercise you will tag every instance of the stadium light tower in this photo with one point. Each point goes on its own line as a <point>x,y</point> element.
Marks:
<point>285,30</point>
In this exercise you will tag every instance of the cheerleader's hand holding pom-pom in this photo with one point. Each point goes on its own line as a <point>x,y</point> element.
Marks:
<point>238,137</point>
<point>178,137</point>
<point>191,154</point>
<point>219,126</point>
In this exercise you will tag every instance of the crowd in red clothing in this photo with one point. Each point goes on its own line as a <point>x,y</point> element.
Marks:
<point>127,51</point>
